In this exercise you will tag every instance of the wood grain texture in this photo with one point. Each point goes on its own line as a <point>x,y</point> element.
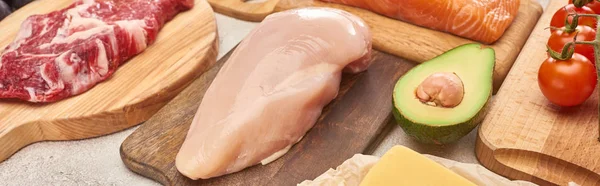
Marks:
<point>348,125</point>
<point>525,137</point>
<point>409,41</point>
<point>185,48</point>
<point>240,9</point>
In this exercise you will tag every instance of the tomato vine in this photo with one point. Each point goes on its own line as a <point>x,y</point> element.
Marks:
<point>569,48</point>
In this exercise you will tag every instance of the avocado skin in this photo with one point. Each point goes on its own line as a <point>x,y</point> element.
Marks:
<point>440,135</point>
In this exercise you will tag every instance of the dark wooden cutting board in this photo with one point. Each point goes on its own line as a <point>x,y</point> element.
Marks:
<point>348,125</point>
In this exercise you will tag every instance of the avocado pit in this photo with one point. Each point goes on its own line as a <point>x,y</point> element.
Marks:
<point>461,78</point>
<point>441,89</point>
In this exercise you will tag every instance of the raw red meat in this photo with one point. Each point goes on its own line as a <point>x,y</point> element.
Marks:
<point>67,52</point>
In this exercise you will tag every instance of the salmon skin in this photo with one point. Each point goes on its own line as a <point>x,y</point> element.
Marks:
<point>480,20</point>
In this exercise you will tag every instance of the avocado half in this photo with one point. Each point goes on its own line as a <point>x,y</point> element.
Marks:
<point>474,65</point>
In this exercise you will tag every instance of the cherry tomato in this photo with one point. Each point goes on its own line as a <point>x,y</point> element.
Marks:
<point>558,20</point>
<point>567,83</point>
<point>559,38</point>
<point>594,5</point>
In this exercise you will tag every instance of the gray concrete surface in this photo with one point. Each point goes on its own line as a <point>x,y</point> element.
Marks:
<point>97,162</point>
<point>94,161</point>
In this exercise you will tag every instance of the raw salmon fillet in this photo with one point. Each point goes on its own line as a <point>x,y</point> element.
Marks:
<point>479,20</point>
<point>272,90</point>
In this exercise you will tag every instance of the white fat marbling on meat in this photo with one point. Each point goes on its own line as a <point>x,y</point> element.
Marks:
<point>90,27</point>
<point>82,7</point>
<point>31,92</point>
<point>102,59</point>
<point>66,71</point>
<point>112,39</point>
<point>83,35</point>
<point>62,31</point>
<point>45,23</point>
<point>75,58</point>
<point>45,76</point>
<point>81,81</point>
<point>75,27</point>
<point>53,86</point>
<point>78,81</point>
<point>60,34</point>
<point>25,32</point>
<point>81,22</point>
<point>75,85</point>
<point>137,31</point>
<point>27,56</point>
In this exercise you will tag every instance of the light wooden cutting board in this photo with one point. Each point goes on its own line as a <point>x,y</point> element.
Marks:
<point>402,39</point>
<point>525,137</point>
<point>185,48</point>
<point>350,124</point>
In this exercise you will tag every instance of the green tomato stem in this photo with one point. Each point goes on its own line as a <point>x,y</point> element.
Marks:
<point>570,26</point>
<point>581,3</point>
<point>567,53</point>
<point>586,42</point>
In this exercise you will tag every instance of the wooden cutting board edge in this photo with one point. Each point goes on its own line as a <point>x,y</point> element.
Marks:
<point>157,168</point>
<point>143,169</point>
<point>523,164</point>
<point>134,112</point>
<point>129,155</point>
<point>254,12</point>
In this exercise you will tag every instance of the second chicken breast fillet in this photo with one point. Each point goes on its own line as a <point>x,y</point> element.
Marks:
<point>272,90</point>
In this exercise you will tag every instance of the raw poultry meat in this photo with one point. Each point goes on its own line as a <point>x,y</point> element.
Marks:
<point>272,90</point>
<point>479,20</point>
<point>67,52</point>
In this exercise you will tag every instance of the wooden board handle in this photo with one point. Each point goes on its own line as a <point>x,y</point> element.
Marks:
<point>550,166</point>
<point>243,9</point>
<point>184,49</point>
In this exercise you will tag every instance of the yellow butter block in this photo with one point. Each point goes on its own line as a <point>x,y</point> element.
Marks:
<point>403,166</point>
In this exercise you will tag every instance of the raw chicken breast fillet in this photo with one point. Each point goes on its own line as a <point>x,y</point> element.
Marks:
<point>272,90</point>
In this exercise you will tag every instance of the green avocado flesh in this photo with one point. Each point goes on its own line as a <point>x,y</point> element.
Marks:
<point>474,65</point>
